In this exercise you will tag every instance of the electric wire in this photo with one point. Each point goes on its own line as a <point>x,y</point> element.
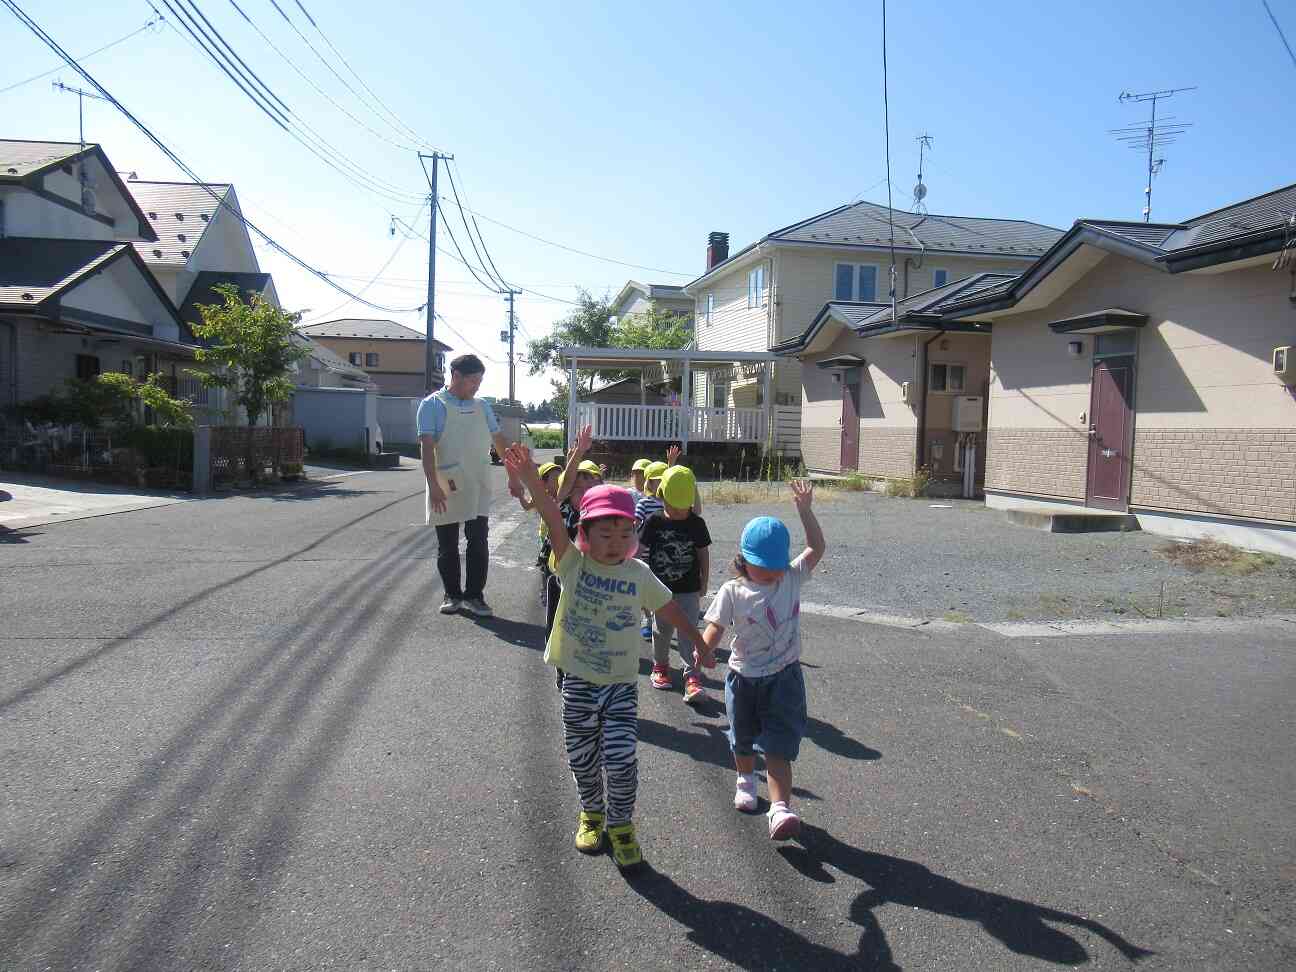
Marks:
<point>499,276</point>
<point>886,122</point>
<point>1281,36</point>
<point>496,277</point>
<point>286,119</point>
<point>152,22</point>
<point>48,40</point>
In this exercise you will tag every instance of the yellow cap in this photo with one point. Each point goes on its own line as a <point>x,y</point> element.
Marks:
<point>640,465</point>
<point>654,470</point>
<point>547,468</point>
<point>591,467</point>
<point>678,487</point>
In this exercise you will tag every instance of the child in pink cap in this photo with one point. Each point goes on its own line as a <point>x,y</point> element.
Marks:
<point>595,642</point>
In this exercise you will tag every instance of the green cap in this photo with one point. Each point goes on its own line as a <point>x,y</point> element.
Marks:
<point>547,468</point>
<point>654,470</point>
<point>591,467</point>
<point>678,487</point>
<point>640,465</point>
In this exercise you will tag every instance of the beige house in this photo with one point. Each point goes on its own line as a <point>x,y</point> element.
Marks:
<point>391,354</point>
<point>639,298</point>
<point>1141,367</point>
<point>770,293</point>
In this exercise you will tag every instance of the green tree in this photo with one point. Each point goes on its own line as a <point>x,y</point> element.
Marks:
<point>250,349</point>
<point>590,326</point>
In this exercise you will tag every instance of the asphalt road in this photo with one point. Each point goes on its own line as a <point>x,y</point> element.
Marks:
<point>237,735</point>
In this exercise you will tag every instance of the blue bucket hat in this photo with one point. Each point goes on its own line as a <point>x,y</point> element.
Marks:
<point>765,542</point>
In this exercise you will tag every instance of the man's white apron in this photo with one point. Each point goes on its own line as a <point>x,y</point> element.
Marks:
<point>462,463</point>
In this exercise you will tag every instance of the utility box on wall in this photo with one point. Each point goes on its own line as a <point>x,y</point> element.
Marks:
<point>967,413</point>
<point>1284,364</point>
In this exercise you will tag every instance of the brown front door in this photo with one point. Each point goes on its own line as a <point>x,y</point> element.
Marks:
<point>1111,412</point>
<point>850,420</point>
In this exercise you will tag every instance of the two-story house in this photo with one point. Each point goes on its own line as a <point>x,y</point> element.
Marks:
<point>639,298</point>
<point>393,355</point>
<point>772,291</point>
<point>76,298</point>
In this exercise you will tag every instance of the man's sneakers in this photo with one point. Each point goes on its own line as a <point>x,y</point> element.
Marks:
<point>589,832</point>
<point>745,799</point>
<point>695,692</point>
<point>625,846</point>
<point>477,606</point>
<point>783,823</point>
<point>451,605</point>
<point>660,677</point>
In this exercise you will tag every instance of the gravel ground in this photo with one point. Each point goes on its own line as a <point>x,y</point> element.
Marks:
<point>956,559</point>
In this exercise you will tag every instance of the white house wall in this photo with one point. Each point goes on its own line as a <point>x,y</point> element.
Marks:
<point>119,291</point>
<point>28,215</point>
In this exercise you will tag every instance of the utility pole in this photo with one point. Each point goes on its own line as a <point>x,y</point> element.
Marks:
<point>1151,136</point>
<point>512,329</point>
<point>429,356</point>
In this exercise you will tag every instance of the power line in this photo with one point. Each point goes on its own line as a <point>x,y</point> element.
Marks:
<point>499,276</point>
<point>152,22</point>
<point>1281,36</point>
<point>886,119</point>
<point>470,344</point>
<point>496,278</point>
<point>45,38</point>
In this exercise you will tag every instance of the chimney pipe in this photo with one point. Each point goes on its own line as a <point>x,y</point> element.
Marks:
<point>717,249</point>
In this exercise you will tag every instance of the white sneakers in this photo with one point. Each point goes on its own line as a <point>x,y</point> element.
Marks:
<point>783,823</point>
<point>745,793</point>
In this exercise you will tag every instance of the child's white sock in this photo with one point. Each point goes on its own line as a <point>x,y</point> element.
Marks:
<point>747,781</point>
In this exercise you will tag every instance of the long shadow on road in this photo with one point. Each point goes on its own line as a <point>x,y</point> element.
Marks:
<point>108,647</point>
<point>1021,926</point>
<point>169,829</point>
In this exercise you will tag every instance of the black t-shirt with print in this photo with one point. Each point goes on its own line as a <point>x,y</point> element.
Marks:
<point>670,548</point>
<point>571,517</point>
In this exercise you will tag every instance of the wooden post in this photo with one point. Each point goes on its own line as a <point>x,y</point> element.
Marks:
<point>686,397</point>
<point>572,430</point>
<point>770,432</point>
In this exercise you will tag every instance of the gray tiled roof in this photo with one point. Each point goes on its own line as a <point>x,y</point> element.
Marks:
<point>931,301</point>
<point>203,292</point>
<point>32,270</point>
<point>179,213</point>
<point>1148,234</point>
<point>1263,212</point>
<point>353,327</point>
<point>865,224</point>
<point>19,158</point>
<point>855,312</point>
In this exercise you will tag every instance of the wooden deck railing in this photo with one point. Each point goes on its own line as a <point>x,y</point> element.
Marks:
<point>666,423</point>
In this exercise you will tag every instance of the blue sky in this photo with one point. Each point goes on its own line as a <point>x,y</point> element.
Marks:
<point>632,133</point>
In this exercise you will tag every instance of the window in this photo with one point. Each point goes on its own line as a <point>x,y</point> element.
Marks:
<point>855,281</point>
<point>439,361</point>
<point>719,395</point>
<point>756,287</point>
<point>87,366</point>
<point>707,308</point>
<point>354,357</point>
<point>948,378</point>
<point>371,359</point>
<point>940,278</point>
<point>1110,343</point>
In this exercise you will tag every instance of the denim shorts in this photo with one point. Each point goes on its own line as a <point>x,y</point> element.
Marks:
<point>767,715</point>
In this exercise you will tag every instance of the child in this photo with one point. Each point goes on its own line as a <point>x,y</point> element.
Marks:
<point>637,479</point>
<point>677,546</point>
<point>603,590</point>
<point>764,689</point>
<point>650,504</point>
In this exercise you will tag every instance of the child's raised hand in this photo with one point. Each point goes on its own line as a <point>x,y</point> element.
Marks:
<point>802,494</point>
<point>672,455</point>
<point>518,461</point>
<point>585,439</point>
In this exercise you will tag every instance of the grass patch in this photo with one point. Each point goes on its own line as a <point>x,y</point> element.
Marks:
<point>729,492</point>
<point>546,438</point>
<point>856,483</point>
<point>957,616</point>
<point>1219,557</point>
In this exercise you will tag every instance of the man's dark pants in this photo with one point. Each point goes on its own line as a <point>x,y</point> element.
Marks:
<point>477,555</point>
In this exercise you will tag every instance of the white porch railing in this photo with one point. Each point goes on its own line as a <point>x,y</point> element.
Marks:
<point>666,423</point>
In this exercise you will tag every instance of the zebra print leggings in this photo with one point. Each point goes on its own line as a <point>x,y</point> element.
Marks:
<point>601,729</point>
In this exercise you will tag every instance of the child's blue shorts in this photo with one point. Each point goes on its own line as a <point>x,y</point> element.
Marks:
<point>767,715</point>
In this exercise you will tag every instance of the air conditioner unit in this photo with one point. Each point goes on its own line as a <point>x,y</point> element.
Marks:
<point>967,413</point>
<point>1284,364</point>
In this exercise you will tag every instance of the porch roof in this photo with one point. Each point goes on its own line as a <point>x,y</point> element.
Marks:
<point>640,357</point>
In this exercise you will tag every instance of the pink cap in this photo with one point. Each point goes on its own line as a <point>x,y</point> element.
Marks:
<point>605,500</point>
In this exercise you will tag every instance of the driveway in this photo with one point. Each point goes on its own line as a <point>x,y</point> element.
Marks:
<point>957,560</point>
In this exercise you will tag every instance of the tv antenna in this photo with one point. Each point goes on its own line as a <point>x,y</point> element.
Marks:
<point>1151,136</point>
<point>920,190</point>
<point>82,95</point>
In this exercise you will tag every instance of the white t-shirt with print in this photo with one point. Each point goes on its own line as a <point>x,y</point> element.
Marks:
<point>765,620</point>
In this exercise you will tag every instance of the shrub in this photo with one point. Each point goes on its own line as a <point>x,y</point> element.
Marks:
<point>546,438</point>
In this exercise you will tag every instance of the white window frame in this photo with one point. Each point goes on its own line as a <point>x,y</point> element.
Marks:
<point>756,286</point>
<point>936,270</point>
<point>355,358</point>
<point>855,280</point>
<point>947,390</point>
<point>376,359</point>
<point>708,308</point>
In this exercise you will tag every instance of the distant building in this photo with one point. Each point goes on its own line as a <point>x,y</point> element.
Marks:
<point>392,354</point>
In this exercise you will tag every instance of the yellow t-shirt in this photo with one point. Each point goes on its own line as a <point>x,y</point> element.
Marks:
<point>596,628</point>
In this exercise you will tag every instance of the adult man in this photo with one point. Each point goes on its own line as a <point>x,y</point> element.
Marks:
<point>455,431</point>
